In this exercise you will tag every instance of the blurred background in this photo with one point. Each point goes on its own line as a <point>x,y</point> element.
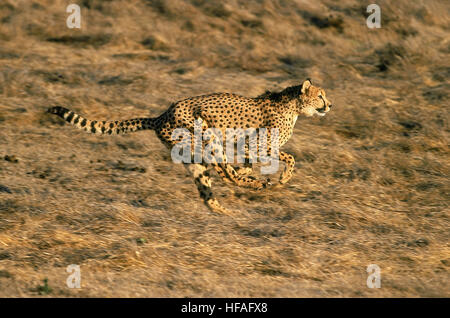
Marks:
<point>371,184</point>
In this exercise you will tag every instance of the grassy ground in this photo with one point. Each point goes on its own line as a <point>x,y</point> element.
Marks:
<point>371,184</point>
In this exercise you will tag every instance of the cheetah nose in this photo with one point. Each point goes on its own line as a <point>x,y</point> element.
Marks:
<point>330,105</point>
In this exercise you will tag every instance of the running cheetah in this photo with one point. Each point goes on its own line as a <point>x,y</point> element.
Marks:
<point>222,110</point>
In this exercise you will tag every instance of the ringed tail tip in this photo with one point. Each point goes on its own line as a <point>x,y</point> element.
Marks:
<point>57,110</point>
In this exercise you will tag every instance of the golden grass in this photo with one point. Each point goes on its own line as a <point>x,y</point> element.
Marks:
<point>371,183</point>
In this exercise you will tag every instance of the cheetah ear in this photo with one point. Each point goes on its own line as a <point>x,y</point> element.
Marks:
<point>305,85</point>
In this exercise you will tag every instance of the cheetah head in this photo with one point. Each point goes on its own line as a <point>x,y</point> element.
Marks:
<point>312,100</point>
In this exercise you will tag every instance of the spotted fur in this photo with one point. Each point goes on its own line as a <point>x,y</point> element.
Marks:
<point>221,110</point>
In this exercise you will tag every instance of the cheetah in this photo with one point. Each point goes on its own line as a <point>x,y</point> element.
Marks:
<point>222,110</point>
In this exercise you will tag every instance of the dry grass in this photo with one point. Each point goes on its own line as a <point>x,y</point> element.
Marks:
<point>372,177</point>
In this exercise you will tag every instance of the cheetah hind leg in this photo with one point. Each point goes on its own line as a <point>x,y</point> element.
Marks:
<point>203,183</point>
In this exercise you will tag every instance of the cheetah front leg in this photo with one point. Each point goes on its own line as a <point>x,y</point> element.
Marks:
<point>228,173</point>
<point>243,173</point>
<point>203,183</point>
<point>225,170</point>
<point>289,160</point>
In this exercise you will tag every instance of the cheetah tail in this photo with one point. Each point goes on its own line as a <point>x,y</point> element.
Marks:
<point>103,127</point>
